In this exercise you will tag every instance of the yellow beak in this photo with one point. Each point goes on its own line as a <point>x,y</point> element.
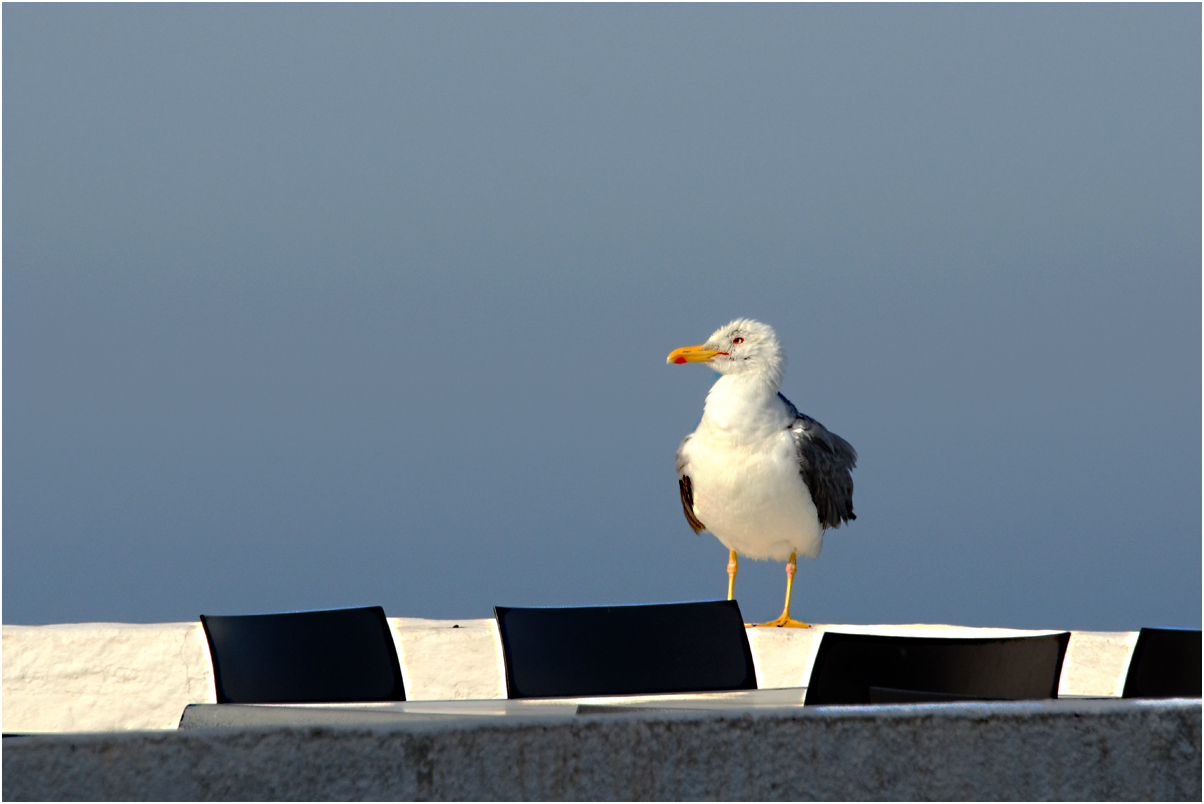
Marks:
<point>691,354</point>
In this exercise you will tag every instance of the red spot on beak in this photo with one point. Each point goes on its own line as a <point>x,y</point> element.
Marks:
<point>679,360</point>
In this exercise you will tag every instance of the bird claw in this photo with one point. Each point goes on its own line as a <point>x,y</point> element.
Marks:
<point>781,622</point>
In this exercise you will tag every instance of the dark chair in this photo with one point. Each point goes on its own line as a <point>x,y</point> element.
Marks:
<point>874,669</point>
<point>625,650</point>
<point>1165,664</point>
<point>341,655</point>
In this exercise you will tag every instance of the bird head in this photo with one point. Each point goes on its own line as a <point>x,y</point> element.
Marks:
<point>742,347</point>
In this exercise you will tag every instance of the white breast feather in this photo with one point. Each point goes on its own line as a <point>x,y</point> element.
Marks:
<point>743,463</point>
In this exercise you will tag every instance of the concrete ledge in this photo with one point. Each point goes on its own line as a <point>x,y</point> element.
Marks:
<point>1103,750</point>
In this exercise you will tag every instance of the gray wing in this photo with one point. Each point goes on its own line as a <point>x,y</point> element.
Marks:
<point>687,490</point>
<point>826,462</point>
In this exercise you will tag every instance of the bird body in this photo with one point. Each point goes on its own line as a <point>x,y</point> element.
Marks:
<point>766,480</point>
<point>742,462</point>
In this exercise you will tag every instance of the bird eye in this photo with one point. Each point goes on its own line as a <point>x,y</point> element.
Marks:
<point>738,340</point>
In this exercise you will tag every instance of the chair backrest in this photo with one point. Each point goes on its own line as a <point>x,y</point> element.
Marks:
<point>625,650</point>
<point>340,655</point>
<point>871,668</point>
<point>1165,664</point>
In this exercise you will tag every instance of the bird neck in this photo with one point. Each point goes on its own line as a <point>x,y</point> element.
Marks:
<point>743,407</point>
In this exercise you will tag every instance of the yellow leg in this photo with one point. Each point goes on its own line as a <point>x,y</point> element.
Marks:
<point>784,621</point>
<point>732,566</point>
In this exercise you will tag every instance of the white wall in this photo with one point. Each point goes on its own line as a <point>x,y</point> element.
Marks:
<point>118,676</point>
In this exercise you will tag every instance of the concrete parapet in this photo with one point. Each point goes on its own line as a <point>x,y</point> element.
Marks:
<point>1102,750</point>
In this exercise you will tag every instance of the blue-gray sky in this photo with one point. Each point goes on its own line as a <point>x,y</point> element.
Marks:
<point>311,306</point>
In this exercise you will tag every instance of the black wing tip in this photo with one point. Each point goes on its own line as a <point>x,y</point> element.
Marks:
<point>687,503</point>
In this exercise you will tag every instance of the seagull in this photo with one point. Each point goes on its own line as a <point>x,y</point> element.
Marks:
<point>764,479</point>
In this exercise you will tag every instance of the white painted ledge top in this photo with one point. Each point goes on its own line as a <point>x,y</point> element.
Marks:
<point>120,676</point>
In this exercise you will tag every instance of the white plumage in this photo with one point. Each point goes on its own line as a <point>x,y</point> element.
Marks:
<point>764,479</point>
<point>743,464</point>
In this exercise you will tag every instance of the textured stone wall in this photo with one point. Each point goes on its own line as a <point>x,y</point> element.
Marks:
<point>1070,750</point>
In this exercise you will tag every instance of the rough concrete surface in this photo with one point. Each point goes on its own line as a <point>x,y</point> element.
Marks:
<point>1101,750</point>
<point>444,660</point>
<point>1097,662</point>
<point>100,676</point>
